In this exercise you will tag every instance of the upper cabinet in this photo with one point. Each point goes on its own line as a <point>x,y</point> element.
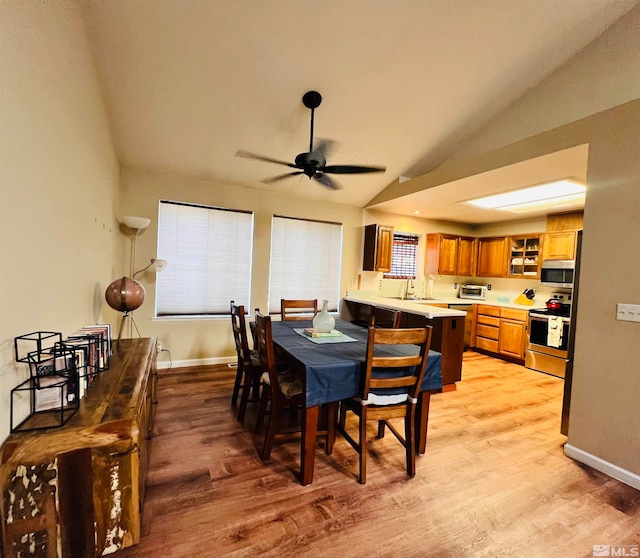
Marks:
<point>559,245</point>
<point>524,256</point>
<point>492,255</point>
<point>450,255</point>
<point>378,246</point>
<point>559,241</point>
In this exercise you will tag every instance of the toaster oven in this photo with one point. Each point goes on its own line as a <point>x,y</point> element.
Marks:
<point>477,292</point>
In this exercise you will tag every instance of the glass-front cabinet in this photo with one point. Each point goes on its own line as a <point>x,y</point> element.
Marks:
<point>524,256</point>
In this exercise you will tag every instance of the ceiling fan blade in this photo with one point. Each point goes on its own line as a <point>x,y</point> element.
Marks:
<point>280,177</point>
<point>248,155</point>
<point>323,148</point>
<point>351,169</point>
<point>327,181</point>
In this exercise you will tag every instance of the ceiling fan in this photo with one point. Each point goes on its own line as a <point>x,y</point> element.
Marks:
<point>313,163</point>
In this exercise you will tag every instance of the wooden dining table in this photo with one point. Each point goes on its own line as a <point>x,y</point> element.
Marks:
<point>332,368</point>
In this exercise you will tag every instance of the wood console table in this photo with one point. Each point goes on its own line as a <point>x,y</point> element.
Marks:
<point>77,491</point>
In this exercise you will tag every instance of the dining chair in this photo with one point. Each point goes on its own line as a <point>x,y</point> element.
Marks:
<point>387,394</point>
<point>298,309</point>
<point>280,387</point>
<point>366,315</point>
<point>248,370</point>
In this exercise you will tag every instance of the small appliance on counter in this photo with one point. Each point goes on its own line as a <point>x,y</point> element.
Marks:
<point>476,292</point>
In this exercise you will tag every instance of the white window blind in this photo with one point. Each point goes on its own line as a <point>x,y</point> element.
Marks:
<point>305,261</point>
<point>208,252</point>
<point>403,256</point>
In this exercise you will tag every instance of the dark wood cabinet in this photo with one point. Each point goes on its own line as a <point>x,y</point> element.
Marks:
<point>78,490</point>
<point>378,246</point>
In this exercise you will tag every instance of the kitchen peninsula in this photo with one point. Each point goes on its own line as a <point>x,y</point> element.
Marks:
<point>447,323</point>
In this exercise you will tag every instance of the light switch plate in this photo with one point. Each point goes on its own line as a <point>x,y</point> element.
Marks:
<point>628,312</point>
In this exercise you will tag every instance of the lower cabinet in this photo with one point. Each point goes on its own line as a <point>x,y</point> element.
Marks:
<point>501,330</point>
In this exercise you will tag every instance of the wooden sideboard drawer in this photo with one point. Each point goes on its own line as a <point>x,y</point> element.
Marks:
<point>487,344</point>
<point>489,310</point>
<point>488,331</point>
<point>488,320</point>
<point>515,314</point>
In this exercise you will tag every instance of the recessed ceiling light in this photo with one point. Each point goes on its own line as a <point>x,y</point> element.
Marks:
<point>543,196</point>
<point>416,212</point>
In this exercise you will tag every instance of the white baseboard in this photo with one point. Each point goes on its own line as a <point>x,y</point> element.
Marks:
<point>164,364</point>
<point>603,466</point>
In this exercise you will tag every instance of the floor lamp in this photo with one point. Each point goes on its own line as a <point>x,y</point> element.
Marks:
<point>136,224</point>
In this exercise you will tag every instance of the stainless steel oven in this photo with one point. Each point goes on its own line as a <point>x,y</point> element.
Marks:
<point>547,341</point>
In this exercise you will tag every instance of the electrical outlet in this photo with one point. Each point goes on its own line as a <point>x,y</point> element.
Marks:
<point>354,283</point>
<point>158,346</point>
<point>489,287</point>
<point>628,312</point>
<point>455,286</point>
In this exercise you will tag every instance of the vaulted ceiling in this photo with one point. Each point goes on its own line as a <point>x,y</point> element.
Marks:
<point>404,83</point>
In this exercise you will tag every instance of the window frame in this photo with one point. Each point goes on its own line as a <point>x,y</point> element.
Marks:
<point>246,250</point>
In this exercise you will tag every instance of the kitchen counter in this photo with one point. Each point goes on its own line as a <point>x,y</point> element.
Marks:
<point>422,306</point>
<point>419,307</point>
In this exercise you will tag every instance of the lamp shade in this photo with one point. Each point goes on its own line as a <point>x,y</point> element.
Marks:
<point>125,294</point>
<point>136,223</point>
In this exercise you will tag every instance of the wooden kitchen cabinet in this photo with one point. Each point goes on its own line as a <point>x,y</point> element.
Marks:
<point>492,255</point>
<point>378,247</point>
<point>78,490</point>
<point>501,330</point>
<point>450,255</point>
<point>513,332</point>
<point>524,257</point>
<point>559,245</point>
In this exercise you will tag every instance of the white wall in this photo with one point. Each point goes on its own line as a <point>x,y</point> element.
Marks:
<point>58,182</point>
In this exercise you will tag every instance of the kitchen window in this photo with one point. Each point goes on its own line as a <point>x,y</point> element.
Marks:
<point>208,252</point>
<point>305,263</point>
<point>403,256</point>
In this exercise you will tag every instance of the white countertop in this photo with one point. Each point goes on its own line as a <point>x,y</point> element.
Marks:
<point>420,307</point>
<point>424,308</point>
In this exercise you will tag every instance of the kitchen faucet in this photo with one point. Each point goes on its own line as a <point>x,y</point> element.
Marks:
<point>409,291</point>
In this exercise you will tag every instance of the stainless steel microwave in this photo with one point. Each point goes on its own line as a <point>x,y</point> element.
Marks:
<point>558,273</point>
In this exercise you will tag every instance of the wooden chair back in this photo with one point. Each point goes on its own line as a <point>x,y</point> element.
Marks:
<point>298,309</point>
<point>264,339</point>
<point>247,373</point>
<point>385,318</point>
<point>239,327</point>
<point>412,378</point>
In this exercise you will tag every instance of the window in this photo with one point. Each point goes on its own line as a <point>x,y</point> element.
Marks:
<point>305,261</point>
<point>208,252</point>
<point>403,256</point>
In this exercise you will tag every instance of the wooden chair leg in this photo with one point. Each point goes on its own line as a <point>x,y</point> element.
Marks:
<point>363,446</point>
<point>332,418</point>
<point>381,425</point>
<point>262,408</point>
<point>236,385</point>
<point>271,430</point>
<point>244,397</point>
<point>343,416</point>
<point>410,441</point>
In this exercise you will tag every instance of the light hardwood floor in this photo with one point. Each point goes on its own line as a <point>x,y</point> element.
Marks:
<point>494,481</point>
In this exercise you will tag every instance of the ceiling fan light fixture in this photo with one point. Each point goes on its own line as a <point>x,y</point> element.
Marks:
<point>550,195</point>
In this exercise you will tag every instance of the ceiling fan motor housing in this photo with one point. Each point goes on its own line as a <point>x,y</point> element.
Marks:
<point>309,163</point>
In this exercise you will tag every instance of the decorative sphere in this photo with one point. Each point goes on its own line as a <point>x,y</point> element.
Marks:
<point>125,295</point>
